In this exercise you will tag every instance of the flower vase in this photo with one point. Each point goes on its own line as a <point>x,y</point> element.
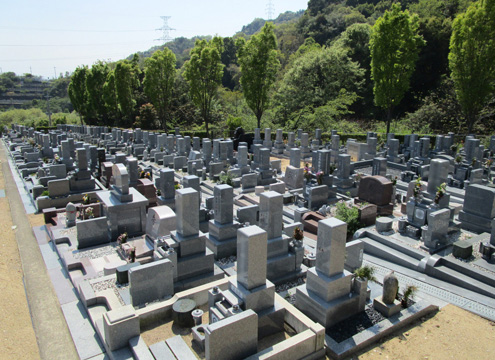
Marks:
<point>394,194</point>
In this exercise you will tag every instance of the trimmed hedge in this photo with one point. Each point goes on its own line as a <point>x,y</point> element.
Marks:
<point>45,129</point>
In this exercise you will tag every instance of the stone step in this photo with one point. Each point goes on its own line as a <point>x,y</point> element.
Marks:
<point>455,277</point>
<point>180,349</point>
<point>380,250</point>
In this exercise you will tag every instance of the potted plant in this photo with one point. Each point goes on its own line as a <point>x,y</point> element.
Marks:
<point>122,239</point>
<point>307,173</point>
<point>441,191</point>
<point>331,168</point>
<point>365,272</point>
<point>409,293</point>
<point>319,177</point>
<point>361,277</point>
<point>132,254</point>
<point>88,213</point>
<point>417,189</point>
<point>86,199</point>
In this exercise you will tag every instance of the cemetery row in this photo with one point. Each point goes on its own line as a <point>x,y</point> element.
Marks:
<point>152,227</point>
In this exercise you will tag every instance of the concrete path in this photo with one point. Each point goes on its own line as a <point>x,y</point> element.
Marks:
<point>52,334</point>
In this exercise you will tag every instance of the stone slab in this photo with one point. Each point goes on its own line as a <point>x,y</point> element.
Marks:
<point>179,348</point>
<point>62,285</point>
<point>50,256</point>
<point>85,339</point>
<point>161,351</point>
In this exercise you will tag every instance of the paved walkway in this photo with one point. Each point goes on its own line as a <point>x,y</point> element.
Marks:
<point>52,334</point>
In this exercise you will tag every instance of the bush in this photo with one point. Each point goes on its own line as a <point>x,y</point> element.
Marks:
<point>226,178</point>
<point>350,215</point>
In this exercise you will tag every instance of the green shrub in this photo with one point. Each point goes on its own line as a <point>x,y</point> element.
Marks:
<point>226,178</point>
<point>45,193</point>
<point>350,215</point>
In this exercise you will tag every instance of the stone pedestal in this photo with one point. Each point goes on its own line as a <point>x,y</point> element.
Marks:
<point>129,216</point>
<point>222,239</point>
<point>195,262</point>
<point>330,294</point>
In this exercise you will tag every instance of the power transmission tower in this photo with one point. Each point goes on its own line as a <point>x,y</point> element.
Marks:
<point>165,29</point>
<point>270,10</point>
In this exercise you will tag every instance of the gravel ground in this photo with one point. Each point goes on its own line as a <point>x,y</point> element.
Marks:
<point>369,171</point>
<point>109,284</point>
<point>95,253</point>
<point>227,261</point>
<point>355,324</point>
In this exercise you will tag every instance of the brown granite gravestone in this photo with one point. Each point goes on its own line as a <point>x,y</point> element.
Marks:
<point>377,190</point>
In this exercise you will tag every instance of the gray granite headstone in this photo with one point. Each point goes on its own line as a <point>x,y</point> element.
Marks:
<point>439,171</point>
<point>121,177</point>
<point>295,157</point>
<point>186,205</point>
<point>330,246</point>
<point>251,256</point>
<point>223,203</point>
<point>271,207</point>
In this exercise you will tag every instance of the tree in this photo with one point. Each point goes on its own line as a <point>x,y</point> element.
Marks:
<point>77,91</point>
<point>110,98</point>
<point>471,58</point>
<point>259,66</point>
<point>204,73</point>
<point>318,78</point>
<point>159,77</point>
<point>394,47</point>
<point>125,83</point>
<point>95,80</point>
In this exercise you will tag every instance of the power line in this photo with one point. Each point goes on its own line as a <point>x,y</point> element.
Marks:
<point>70,30</point>
<point>67,45</point>
<point>165,30</point>
<point>270,10</point>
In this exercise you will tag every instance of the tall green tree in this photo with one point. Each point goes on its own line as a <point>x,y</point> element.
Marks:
<point>472,58</point>
<point>111,100</point>
<point>159,77</point>
<point>95,80</point>
<point>394,46</point>
<point>203,71</point>
<point>77,91</point>
<point>125,83</point>
<point>323,80</point>
<point>259,66</point>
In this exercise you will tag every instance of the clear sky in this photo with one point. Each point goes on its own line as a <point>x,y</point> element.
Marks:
<point>54,36</point>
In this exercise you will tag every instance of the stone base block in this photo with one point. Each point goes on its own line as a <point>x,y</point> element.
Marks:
<point>278,246</point>
<point>195,265</point>
<point>271,321</point>
<point>474,222</point>
<point>198,280</point>
<point>323,312</point>
<point>189,245</point>
<point>223,231</point>
<point>257,299</point>
<point>221,249</point>
<point>462,249</point>
<point>328,288</point>
<point>279,266</point>
<point>160,200</point>
<point>386,310</point>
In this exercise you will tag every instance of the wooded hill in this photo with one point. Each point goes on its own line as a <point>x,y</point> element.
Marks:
<point>323,74</point>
